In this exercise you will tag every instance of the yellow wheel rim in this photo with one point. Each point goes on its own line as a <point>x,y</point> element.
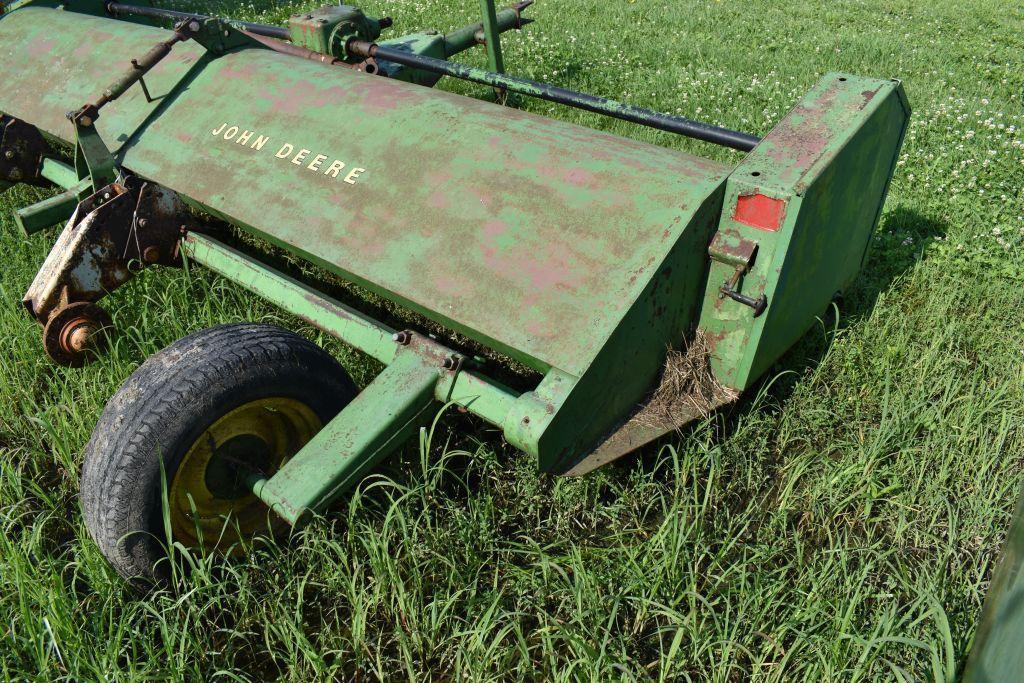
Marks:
<point>209,502</point>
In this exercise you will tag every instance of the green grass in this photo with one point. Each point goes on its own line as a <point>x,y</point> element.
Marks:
<point>839,524</point>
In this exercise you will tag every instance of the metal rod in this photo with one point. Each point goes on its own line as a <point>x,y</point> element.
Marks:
<point>600,105</point>
<point>480,395</point>
<point>140,67</point>
<point>155,13</point>
<point>492,38</point>
<point>469,36</point>
<point>59,173</point>
<point>296,50</point>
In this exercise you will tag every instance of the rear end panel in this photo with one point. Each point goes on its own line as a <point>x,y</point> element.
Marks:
<point>809,196</point>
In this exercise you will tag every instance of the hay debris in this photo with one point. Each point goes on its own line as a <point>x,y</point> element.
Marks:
<point>688,388</point>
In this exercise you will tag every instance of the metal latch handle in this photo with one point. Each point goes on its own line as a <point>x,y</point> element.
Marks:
<point>740,255</point>
<point>727,289</point>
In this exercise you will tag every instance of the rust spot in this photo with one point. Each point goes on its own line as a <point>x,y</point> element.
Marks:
<point>579,177</point>
<point>867,95</point>
<point>40,47</point>
<point>495,228</point>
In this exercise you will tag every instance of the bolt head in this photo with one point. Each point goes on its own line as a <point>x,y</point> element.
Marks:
<point>9,154</point>
<point>142,222</point>
<point>193,26</point>
<point>151,254</point>
<point>80,338</point>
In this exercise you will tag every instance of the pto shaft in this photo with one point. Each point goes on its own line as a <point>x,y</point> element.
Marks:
<point>140,67</point>
<point>117,8</point>
<point>552,93</point>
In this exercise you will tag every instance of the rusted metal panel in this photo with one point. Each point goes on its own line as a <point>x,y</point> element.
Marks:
<point>111,235</point>
<point>22,150</point>
<point>465,210</point>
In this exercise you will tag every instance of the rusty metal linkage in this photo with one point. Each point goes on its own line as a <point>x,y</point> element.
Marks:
<point>121,9</point>
<point>112,235</point>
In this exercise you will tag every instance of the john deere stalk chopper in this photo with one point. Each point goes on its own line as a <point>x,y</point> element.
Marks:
<point>507,239</point>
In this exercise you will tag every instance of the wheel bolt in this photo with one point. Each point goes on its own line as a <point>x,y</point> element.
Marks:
<point>79,338</point>
<point>9,154</point>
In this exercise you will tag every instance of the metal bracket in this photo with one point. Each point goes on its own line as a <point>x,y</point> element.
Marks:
<point>220,35</point>
<point>93,159</point>
<point>370,428</point>
<point>113,234</point>
<point>22,150</point>
<point>741,255</point>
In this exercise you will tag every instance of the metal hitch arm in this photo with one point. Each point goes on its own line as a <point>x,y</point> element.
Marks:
<point>377,422</point>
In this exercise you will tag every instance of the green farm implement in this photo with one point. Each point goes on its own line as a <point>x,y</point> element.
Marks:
<point>583,292</point>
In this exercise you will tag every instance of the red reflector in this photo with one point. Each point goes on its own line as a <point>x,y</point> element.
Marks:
<point>759,211</point>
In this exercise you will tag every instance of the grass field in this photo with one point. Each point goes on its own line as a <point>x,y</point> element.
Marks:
<point>839,524</point>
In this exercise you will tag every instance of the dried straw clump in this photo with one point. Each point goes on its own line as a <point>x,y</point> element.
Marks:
<point>688,388</point>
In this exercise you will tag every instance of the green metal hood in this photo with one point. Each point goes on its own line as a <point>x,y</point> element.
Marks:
<point>529,234</point>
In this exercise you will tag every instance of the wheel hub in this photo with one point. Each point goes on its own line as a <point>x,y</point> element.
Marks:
<point>232,461</point>
<point>210,502</point>
<point>75,332</point>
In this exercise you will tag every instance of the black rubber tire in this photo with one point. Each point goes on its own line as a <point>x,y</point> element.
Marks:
<point>165,405</point>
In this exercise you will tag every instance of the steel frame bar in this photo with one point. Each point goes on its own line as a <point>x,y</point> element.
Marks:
<point>477,393</point>
<point>117,8</point>
<point>492,38</point>
<point>376,423</point>
<point>59,173</point>
<point>41,215</point>
<point>627,112</point>
<point>462,39</point>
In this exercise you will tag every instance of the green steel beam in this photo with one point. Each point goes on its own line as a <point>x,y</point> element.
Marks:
<point>492,36</point>
<point>57,209</point>
<point>462,39</point>
<point>378,421</point>
<point>59,173</point>
<point>480,395</point>
<point>331,316</point>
